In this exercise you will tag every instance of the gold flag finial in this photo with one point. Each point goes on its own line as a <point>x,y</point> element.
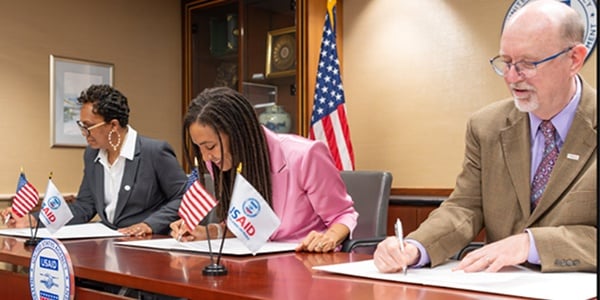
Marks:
<point>239,168</point>
<point>330,6</point>
<point>50,176</point>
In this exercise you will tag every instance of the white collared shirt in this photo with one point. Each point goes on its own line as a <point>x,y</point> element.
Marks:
<point>113,174</point>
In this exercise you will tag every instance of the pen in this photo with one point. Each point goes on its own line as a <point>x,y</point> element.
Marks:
<point>400,237</point>
<point>180,234</point>
<point>7,218</point>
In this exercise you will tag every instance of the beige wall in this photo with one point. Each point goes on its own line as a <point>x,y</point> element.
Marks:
<point>413,73</point>
<point>142,38</point>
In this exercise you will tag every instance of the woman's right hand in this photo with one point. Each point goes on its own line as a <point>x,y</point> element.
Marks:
<point>12,221</point>
<point>181,232</point>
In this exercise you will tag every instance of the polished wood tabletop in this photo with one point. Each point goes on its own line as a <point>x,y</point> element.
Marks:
<point>274,276</point>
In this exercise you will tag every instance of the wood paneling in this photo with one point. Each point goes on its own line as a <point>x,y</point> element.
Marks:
<point>414,211</point>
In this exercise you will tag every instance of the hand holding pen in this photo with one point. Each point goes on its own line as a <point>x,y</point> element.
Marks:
<point>400,237</point>
<point>178,230</point>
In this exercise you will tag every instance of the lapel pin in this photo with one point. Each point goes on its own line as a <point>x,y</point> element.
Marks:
<point>127,188</point>
<point>572,156</point>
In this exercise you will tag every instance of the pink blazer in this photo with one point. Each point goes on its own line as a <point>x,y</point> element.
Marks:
<point>308,191</point>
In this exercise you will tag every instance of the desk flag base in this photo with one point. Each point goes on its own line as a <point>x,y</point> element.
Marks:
<point>32,242</point>
<point>214,270</point>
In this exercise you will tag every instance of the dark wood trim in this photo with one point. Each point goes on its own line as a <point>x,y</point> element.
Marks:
<point>421,192</point>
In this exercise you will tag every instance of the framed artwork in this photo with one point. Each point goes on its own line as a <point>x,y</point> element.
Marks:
<point>68,77</point>
<point>281,52</point>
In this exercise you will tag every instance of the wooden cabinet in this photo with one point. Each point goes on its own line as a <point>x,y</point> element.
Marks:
<point>226,42</point>
<point>256,47</point>
<point>411,216</point>
<point>413,213</point>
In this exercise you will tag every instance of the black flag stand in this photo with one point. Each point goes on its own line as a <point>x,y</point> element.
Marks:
<point>215,268</point>
<point>33,240</point>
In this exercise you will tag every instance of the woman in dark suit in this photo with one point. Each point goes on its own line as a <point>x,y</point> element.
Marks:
<point>133,183</point>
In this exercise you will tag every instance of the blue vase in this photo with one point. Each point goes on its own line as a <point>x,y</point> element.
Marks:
<point>276,119</point>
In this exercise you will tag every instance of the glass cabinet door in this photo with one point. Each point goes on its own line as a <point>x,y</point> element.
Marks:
<point>269,62</point>
<point>211,46</point>
<point>248,45</point>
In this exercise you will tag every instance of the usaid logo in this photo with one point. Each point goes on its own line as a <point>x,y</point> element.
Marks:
<point>251,207</point>
<point>587,10</point>
<point>51,274</point>
<point>54,202</point>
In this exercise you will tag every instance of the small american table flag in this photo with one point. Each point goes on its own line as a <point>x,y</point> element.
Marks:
<point>196,203</point>
<point>26,197</point>
<point>328,121</point>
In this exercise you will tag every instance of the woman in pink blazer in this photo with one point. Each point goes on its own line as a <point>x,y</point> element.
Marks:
<point>296,176</point>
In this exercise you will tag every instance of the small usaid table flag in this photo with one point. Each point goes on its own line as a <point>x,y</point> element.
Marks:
<point>250,218</point>
<point>54,212</point>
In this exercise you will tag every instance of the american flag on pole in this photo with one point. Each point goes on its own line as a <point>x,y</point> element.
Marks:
<point>196,203</point>
<point>26,197</point>
<point>328,121</point>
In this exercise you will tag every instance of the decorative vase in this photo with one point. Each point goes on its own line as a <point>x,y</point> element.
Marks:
<point>276,119</point>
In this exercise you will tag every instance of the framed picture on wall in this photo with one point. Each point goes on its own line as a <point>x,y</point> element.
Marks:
<point>281,52</point>
<point>68,77</point>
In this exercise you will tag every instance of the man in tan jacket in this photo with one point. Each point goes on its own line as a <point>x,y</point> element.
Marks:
<point>547,219</point>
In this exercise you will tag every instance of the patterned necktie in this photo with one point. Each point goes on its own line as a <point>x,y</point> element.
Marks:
<point>542,174</point>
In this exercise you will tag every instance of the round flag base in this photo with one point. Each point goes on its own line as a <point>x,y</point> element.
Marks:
<point>214,270</point>
<point>32,242</point>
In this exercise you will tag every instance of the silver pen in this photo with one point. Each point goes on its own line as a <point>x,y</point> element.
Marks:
<point>400,237</point>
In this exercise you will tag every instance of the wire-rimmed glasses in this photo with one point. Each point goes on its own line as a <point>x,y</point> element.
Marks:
<point>526,69</point>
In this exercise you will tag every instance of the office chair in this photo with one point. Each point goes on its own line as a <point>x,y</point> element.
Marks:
<point>370,191</point>
<point>466,249</point>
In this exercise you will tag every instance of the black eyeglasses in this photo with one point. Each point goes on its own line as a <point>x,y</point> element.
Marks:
<point>526,69</point>
<point>86,130</point>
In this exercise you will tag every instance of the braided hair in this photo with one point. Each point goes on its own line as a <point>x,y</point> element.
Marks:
<point>107,102</point>
<point>228,112</point>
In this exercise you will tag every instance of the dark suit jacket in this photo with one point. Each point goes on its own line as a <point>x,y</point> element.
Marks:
<point>151,189</point>
<point>493,190</point>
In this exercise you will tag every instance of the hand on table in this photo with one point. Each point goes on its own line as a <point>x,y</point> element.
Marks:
<point>510,251</point>
<point>139,229</point>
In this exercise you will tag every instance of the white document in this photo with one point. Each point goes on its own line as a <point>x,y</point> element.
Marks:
<point>79,231</point>
<point>232,246</point>
<point>515,281</point>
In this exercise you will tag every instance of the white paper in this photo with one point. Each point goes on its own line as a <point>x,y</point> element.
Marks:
<point>232,246</point>
<point>79,231</point>
<point>515,281</point>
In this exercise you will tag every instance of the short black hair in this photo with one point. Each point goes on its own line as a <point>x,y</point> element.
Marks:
<point>107,102</point>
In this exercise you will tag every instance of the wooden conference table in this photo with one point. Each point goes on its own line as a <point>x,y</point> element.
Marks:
<point>274,276</point>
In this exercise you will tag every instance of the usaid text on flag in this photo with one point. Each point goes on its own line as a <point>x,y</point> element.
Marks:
<point>48,209</point>
<point>242,216</point>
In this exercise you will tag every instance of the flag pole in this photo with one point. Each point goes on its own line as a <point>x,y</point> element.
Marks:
<point>210,252</point>
<point>239,171</point>
<point>217,269</point>
<point>34,240</point>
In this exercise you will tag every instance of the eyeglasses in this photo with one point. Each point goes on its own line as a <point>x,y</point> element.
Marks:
<point>526,69</point>
<point>86,130</point>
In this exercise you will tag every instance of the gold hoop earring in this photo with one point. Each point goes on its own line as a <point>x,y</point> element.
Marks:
<point>116,145</point>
